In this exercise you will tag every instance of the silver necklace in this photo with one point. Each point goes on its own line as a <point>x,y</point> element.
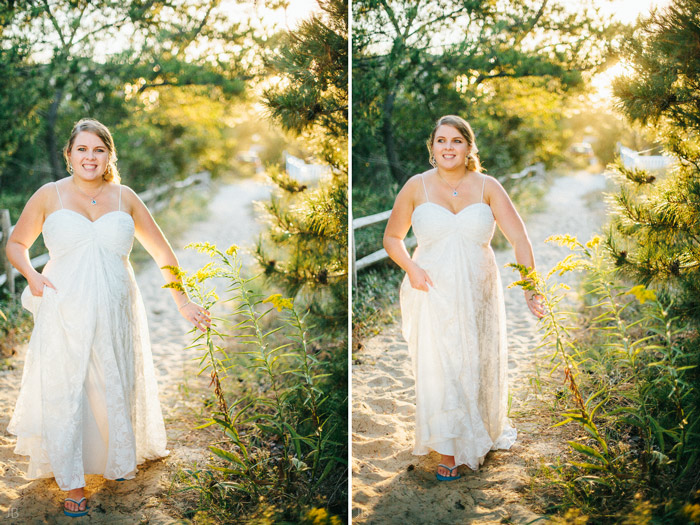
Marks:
<point>454,188</point>
<point>93,200</point>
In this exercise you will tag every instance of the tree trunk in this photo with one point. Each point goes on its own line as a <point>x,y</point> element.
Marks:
<point>57,168</point>
<point>388,136</point>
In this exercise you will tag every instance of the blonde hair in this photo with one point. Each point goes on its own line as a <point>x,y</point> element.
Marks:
<point>465,130</point>
<point>95,127</point>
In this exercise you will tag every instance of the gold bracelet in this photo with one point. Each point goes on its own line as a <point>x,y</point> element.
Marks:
<point>182,306</point>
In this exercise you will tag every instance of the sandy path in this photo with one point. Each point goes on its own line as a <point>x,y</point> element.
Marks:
<point>230,220</point>
<point>390,485</point>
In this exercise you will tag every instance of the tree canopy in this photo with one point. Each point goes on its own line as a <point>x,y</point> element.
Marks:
<point>656,233</point>
<point>120,62</point>
<point>504,66</point>
<point>308,252</point>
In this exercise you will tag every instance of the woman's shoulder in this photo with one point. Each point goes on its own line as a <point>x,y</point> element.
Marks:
<point>417,180</point>
<point>490,182</point>
<point>127,192</point>
<point>47,192</point>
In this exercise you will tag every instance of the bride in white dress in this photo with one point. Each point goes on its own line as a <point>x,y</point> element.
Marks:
<point>88,403</point>
<point>453,315</point>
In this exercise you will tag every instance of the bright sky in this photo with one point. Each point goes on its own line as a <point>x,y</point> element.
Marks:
<point>285,18</point>
<point>627,11</point>
<point>268,20</point>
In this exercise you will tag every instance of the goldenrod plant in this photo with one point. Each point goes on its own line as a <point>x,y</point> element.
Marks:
<point>628,369</point>
<point>283,440</point>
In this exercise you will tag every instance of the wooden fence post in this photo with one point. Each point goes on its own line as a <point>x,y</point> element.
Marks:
<point>5,225</point>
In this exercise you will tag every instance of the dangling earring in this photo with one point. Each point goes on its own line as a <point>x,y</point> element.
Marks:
<point>70,169</point>
<point>432,161</point>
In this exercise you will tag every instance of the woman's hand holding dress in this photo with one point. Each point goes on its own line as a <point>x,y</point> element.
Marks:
<point>37,282</point>
<point>419,278</point>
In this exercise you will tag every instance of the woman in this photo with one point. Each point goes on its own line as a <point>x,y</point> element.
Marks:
<point>88,403</point>
<point>452,307</point>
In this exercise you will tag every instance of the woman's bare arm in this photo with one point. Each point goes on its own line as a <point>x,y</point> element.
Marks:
<point>26,231</point>
<point>153,240</point>
<point>396,229</point>
<point>514,230</point>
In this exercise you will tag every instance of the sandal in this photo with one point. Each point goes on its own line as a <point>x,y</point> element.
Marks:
<point>75,513</point>
<point>440,477</point>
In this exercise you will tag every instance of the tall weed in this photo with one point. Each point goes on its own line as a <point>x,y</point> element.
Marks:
<point>284,442</point>
<point>631,372</point>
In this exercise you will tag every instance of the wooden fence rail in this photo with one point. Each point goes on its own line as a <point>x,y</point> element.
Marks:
<point>153,198</point>
<point>380,255</point>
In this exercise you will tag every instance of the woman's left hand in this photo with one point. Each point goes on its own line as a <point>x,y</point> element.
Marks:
<point>197,315</point>
<point>534,303</point>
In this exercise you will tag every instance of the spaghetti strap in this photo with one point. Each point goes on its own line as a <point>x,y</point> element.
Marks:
<point>59,194</point>
<point>425,190</point>
<point>120,197</point>
<point>483,185</point>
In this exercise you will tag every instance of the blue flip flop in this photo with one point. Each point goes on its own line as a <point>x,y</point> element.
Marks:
<point>75,513</point>
<point>440,477</point>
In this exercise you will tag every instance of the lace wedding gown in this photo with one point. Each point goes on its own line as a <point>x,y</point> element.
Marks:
<point>88,403</point>
<point>457,335</point>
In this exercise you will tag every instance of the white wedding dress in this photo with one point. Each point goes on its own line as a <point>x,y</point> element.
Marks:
<point>456,334</point>
<point>88,403</point>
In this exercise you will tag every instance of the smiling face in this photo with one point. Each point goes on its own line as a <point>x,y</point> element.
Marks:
<point>89,156</point>
<point>450,147</point>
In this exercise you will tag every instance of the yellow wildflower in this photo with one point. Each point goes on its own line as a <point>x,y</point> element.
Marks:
<point>567,240</point>
<point>206,272</point>
<point>642,294</point>
<point>203,247</point>
<point>175,285</point>
<point>595,241</point>
<point>279,302</point>
<point>692,512</point>
<point>175,270</point>
<point>568,264</point>
<point>318,516</point>
<point>232,249</point>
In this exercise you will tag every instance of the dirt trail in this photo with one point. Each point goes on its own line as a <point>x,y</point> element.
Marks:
<point>390,485</point>
<point>230,221</point>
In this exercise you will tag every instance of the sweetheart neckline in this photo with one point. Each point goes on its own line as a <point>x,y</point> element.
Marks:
<point>87,218</point>
<point>450,211</point>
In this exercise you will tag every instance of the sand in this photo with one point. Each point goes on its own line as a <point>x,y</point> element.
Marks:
<point>389,484</point>
<point>150,497</point>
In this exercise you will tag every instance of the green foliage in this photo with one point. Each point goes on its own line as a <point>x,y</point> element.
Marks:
<point>374,301</point>
<point>57,73</point>
<point>305,248</point>
<point>507,68</point>
<point>654,234</point>
<point>15,325</point>
<point>632,377</point>
<point>285,441</point>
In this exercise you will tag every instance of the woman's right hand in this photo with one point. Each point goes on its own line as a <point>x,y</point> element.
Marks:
<point>36,284</point>
<point>419,278</point>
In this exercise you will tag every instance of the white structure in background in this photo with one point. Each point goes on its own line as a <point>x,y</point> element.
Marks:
<point>632,159</point>
<point>303,172</point>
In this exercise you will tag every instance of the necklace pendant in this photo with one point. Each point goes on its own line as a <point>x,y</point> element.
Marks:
<point>94,201</point>
<point>454,193</point>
